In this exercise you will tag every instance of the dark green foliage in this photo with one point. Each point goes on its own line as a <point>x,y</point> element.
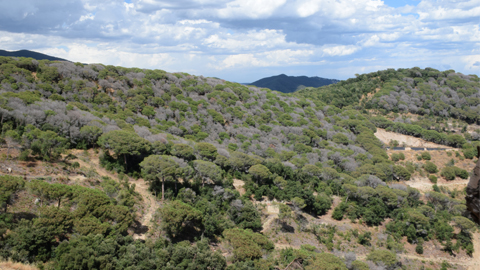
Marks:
<point>322,204</point>
<point>245,215</point>
<point>124,143</point>
<point>125,253</point>
<point>178,218</point>
<point>47,145</point>
<point>183,150</point>
<point>339,211</point>
<point>430,167</point>
<point>206,150</point>
<point>426,156</point>
<point>247,244</point>
<point>364,239</point>
<point>450,172</point>
<point>9,185</point>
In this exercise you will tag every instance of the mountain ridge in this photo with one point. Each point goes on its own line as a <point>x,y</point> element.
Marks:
<point>288,84</point>
<point>30,54</point>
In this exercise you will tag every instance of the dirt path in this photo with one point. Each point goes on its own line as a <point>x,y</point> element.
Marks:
<point>141,187</point>
<point>475,262</point>
<point>273,211</point>
<point>151,207</point>
<point>238,184</point>
<point>424,184</point>
<point>409,141</point>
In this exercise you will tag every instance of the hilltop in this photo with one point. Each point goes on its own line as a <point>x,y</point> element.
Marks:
<point>30,54</point>
<point>155,169</point>
<point>289,84</point>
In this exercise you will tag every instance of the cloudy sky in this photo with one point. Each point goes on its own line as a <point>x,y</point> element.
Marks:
<point>245,40</point>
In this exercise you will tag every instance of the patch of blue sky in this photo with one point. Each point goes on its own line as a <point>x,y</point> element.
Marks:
<point>65,48</point>
<point>401,3</point>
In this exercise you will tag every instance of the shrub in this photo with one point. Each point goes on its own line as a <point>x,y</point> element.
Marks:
<point>433,178</point>
<point>470,153</point>
<point>461,173</point>
<point>448,173</point>
<point>426,156</point>
<point>430,167</point>
<point>419,248</point>
<point>384,256</point>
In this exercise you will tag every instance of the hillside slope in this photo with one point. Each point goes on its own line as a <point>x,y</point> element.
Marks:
<point>108,154</point>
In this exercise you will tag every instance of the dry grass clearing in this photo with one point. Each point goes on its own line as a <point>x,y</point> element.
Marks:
<point>9,265</point>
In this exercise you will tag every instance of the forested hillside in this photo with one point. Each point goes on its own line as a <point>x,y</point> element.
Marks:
<point>215,154</point>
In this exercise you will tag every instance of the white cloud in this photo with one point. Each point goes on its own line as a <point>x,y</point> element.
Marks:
<point>212,36</point>
<point>250,8</point>
<point>448,9</point>
<point>340,50</point>
<point>268,59</point>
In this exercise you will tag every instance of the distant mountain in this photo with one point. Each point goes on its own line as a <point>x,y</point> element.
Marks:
<point>289,84</point>
<point>31,54</point>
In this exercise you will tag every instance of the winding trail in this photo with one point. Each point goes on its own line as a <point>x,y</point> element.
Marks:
<point>150,205</point>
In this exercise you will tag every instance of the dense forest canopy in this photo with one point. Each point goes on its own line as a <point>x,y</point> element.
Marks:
<point>189,137</point>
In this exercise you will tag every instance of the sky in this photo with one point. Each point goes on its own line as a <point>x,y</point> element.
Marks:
<point>246,40</point>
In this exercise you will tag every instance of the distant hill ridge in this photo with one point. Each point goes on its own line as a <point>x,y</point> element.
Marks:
<point>30,54</point>
<point>288,84</point>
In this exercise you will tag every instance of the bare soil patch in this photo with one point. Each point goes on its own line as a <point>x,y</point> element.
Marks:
<point>409,141</point>
<point>238,184</point>
<point>9,265</point>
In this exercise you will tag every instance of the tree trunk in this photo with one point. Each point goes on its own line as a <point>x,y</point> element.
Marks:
<point>175,186</point>
<point>125,160</point>
<point>59,200</point>
<point>163,189</point>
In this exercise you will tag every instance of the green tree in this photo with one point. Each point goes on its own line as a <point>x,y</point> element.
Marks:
<point>182,150</point>
<point>246,244</point>
<point>9,186</point>
<point>90,134</point>
<point>322,204</point>
<point>159,168</point>
<point>259,172</point>
<point>241,161</point>
<point>124,143</point>
<point>206,150</point>
<point>46,144</point>
<point>207,170</point>
<point>312,171</point>
<point>177,217</point>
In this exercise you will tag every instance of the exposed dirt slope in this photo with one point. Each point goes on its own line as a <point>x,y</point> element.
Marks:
<point>408,141</point>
